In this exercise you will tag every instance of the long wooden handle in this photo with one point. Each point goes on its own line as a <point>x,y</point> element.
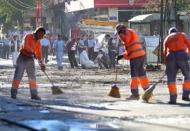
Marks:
<point>46,75</point>
<point>48,78</point>
<point>116,75</point>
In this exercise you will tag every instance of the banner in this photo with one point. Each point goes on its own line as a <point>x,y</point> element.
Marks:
<point>79,5</point>
<point>119,3</point>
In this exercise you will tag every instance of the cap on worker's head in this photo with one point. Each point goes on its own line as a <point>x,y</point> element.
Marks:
<point>40,29</point>
<point>172,30</point>
<point>119,26</point>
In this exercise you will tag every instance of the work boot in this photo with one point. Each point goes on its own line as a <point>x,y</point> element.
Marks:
<point>173,98</point>
<point>185,96</point>
<point>13,93</point>
<point>135,95</point>
<point>34,94</point>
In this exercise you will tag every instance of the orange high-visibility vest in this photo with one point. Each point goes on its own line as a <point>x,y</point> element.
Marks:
<point>29,44</point>
<point>133,46</point>
<point>176,42</point>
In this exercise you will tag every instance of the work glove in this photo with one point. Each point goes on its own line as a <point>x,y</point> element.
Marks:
<point>43,67</point>
<point>119,57</point>
<point>34,54</point>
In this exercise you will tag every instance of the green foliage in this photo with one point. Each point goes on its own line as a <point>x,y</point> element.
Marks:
<point>12,10</point>
<point>154,5</point>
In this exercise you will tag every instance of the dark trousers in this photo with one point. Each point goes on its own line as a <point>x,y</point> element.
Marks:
<point>90,52</point>
<point>72,59</point>
<point>137,67</point>
<point>45,53</point>
<point>100,62</point>
<point>6,50</point>
<point>95,55</point>
<point>112,58</point>
<point>176,61</point>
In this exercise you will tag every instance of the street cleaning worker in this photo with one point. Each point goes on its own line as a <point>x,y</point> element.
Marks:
<point>29,51</point>
<point>136,54</point>
<point>176,58</point>
<point>58,47</point>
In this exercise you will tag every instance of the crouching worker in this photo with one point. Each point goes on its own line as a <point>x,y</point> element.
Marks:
<point>136,54</point>
<point>177,58</point>
<point>103,58</point>
<point>84,60</point>
<point>29,51</point>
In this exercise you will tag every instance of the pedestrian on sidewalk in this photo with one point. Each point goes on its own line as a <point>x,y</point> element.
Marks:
<point>91,44</point>
<point>71,48</point>
<point>6,47</point>
<point>111,50</point>
<point>176,58</point>
<point>15,45</point>
<point>80,47</point>
<point>45,49</point>
<point>1,47</point>
<point>58,48</point>
<point>29,51</point>
<point>136,54</point>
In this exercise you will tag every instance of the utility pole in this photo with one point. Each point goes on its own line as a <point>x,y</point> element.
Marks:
<point>41,12</point>
<point>161,34</point>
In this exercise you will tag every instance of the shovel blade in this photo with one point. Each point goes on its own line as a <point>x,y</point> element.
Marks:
<point>56,90</point>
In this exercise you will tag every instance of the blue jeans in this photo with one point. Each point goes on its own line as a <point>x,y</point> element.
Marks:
<point>112,58</point>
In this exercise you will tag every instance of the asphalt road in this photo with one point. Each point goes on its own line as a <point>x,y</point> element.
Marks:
<point>85,104</point>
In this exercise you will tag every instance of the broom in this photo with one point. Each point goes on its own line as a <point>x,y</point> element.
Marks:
<point>114,92</point>
<point>148,93</point>
<point>55,89</point>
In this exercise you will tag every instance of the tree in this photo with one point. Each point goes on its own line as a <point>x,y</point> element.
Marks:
<point>11,12</point>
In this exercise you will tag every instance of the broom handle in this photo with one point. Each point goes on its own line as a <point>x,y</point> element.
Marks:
<point>160,79</point>
<point>116,75</point>
<point>47,76</point>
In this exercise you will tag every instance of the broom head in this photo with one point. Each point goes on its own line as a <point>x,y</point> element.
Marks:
<point>114,92</point>
<point>56,90</point>
<point>148,93</point>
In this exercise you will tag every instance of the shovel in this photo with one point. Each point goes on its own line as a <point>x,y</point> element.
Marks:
<point>114,92</point>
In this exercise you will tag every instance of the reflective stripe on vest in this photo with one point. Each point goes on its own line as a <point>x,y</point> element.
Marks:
<point>133,51</point>
<point>127,47</point>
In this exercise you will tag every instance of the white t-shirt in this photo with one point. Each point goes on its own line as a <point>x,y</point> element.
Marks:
<point>74,46</point>
<point>97,46</point>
